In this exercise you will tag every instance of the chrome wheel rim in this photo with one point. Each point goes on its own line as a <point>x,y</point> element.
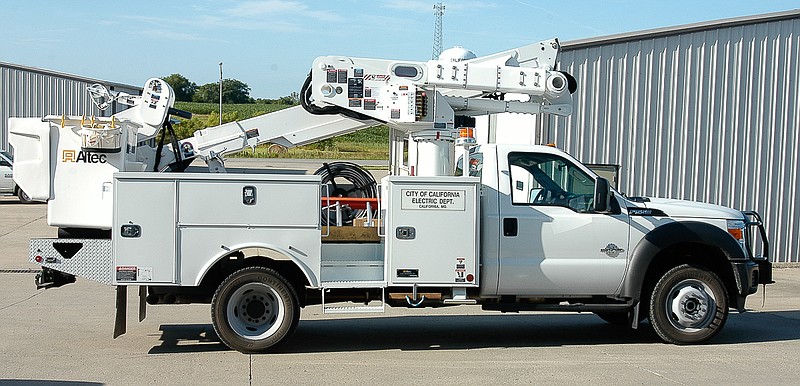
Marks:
<point>691,305</point>
<point>255,311</point>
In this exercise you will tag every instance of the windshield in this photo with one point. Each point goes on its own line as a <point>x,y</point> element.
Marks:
<point>7,155</point>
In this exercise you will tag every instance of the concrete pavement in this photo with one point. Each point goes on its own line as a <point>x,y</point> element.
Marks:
<point>64,335</point>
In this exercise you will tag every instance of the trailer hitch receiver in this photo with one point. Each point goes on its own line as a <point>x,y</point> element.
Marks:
<point>50,278</point>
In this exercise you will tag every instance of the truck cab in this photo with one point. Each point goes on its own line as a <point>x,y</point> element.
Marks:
<point>539,201</point>
<point>547,243</point>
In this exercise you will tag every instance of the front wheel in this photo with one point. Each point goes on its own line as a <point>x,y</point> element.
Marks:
<point>688,305</point>
<point>254,310</point>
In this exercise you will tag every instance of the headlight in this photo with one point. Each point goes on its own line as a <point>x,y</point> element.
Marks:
<point>736,229</point>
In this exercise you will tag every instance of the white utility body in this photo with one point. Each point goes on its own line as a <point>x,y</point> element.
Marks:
<point>510,227</point>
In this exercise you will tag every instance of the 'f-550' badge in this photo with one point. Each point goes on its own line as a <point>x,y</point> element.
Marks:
<point>612,250</point>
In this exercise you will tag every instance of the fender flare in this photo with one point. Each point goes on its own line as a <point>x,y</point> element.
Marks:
<point>670,235</point>
<point>291,255</point>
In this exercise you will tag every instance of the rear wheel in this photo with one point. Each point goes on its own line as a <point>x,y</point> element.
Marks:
<point>254,310</point>
<point>688,305</point>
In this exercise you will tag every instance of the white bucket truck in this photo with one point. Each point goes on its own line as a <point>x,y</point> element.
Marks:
<point>512,228</point>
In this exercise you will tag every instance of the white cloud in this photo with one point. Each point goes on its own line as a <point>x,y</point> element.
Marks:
<point>426,6</point>
<point>205,22</point>
<point>410,5</point>
<point>168,35</point>
<point>561,16</point>
<point>265,7</point>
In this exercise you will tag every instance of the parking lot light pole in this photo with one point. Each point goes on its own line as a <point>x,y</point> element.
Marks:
<point>220,93</point>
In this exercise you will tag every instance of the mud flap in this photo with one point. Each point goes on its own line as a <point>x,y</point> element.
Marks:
<point>122,311</point>
<point>765,272</point>
<point>142,303</point>
<point>633,316</point>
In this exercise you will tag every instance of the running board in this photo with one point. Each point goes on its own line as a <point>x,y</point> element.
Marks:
<point>577,307</point>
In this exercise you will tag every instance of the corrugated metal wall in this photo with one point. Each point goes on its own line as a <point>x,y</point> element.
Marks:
<point>30,92</point>
<point>707,114</point>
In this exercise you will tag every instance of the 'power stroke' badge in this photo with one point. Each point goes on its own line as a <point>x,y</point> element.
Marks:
<point>612,250</point>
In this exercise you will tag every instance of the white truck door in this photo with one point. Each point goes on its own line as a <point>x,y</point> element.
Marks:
<point>551,243</point>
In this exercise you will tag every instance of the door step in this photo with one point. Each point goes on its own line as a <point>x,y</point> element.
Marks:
<point>354,284</point>
<point>352,309</point>
<point>330,309</point>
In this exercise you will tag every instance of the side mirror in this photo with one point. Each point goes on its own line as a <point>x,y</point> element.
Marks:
<point>602,195</point>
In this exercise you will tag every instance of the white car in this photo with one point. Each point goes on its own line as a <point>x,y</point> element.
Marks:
<point>7,185</point>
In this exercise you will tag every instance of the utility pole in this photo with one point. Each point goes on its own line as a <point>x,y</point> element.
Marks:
<point>220,93</point>
<point>438,11</point>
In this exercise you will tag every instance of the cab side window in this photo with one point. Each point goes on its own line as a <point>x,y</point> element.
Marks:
<point>547,179</point>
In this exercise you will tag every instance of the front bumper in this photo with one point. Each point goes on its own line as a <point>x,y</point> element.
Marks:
<point>757,269</point>
<point>762,260</point>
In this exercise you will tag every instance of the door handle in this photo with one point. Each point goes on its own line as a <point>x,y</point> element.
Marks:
<point>510,227</point>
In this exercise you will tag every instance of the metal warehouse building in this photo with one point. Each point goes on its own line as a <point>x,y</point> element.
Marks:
<point>34,92</point>
<point>707,112</point>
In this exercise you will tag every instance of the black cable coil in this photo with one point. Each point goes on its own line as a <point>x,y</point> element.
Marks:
<point>346,179</point>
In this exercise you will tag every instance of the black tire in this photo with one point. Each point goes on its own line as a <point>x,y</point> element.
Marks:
<point>254,310</point>
<point>23,197</point>
<point>688,305</point>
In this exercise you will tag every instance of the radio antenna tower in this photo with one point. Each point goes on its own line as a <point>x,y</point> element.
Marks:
<point>438,11</point>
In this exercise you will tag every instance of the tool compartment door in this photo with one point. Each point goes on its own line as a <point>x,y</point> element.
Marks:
<point>146,254</point>
<point>219,213</point>
<point>432,231</point>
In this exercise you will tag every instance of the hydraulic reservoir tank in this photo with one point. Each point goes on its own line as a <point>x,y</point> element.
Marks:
<point>434,152</point>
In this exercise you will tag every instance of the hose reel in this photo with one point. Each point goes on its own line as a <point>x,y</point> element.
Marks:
<point>346,179</point>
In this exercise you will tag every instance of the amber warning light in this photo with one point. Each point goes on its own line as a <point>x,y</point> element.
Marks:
<point>466,136</point>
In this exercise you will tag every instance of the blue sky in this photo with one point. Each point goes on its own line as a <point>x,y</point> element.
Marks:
<point>270,44</point>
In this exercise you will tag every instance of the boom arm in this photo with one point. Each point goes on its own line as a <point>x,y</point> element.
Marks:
<point>344,94</point>
<point>289,127</point>
<point>70,161</point>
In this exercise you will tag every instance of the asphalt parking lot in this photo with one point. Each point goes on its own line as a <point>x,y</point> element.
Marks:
<point>63,336</point>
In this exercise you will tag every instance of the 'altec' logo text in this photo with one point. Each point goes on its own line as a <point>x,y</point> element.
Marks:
<point>82,156</point>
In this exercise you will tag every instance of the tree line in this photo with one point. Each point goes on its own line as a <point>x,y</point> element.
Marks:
<point>233,91</point>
